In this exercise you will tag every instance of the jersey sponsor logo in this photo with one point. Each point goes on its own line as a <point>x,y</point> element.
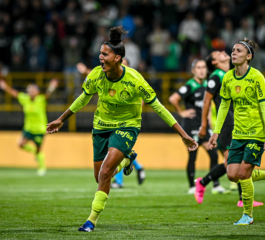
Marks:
<point>124,134</point>
<point>183,89</point>
<point>211,83</point>
<point>197,94</point>
<point>249,80</point>
<point>128,83</point>
<point>259,90</point>
<point>253,146</point>
<point>238,89</point>
<point>103,124</point>
<point>88,82</point>
<point>112,92</point>
<point>147,95</point>
<point>125,95</point>
<point>251,132</point>
<point>199,104</point>
<point>242,102</point>
<point>249,91</point>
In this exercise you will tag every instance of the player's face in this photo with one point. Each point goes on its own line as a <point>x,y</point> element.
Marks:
<point>32,90</point>
<point>240,55</point>
<point>108,59</point>
<point>220,56</point>
<point>200,70</point>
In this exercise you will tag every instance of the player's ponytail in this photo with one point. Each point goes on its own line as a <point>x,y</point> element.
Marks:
<point>115,40</point>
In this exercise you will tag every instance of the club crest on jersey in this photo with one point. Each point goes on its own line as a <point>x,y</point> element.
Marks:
<point>249,91</point>
<point>125,95</point>
<point>238,89</point>
<point>112,92</point>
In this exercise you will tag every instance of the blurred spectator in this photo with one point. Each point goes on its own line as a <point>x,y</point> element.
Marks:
<point>18,44</point>
<point>224,13</point>
<point>227,35</point>
<point>169,16</point>
<point>260,33</point>
<point>89,5</point>
<point>36,54</point>
<point>172,59</point>
<point>58,22</point>
<point>4,46</point>
<point>3,69</point>
<point>18,64</point>
<point>209,25</point>
<point>126,20</point>
<point>158,46</point>
<point>183,7</point>
<point>21,10</point>
<point>132,52</point>
<point>245,31</point>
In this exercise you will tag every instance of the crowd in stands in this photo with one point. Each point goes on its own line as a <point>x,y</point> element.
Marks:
<point>164,35</point>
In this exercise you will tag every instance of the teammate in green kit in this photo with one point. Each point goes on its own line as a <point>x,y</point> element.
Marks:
<point>35,119</point>
<point>117,119</point>
<point>245,86</point>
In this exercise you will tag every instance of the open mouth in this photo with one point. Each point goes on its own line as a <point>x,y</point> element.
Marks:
<point>102,64</point>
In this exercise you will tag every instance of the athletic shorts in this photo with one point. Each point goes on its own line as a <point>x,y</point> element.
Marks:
<point>225,137</point>
<point>121,138</point>
<point>247,150</point>
<point>36,138</point>
<point>193,132</point>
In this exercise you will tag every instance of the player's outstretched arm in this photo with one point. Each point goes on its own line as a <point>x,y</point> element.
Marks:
<point>52,86</point>
<point>82,68</point>
<point>4,86</point>
<point>206,106</point>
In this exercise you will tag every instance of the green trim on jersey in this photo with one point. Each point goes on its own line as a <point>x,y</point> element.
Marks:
<point>246,95</point>
<point>240,78</point>
<point>218,72</point>
<point>120,102</point>
<point>195,85</point>
<point>123,73</point>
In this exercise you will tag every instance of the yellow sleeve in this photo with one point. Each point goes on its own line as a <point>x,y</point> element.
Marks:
<point>80,102</point>
<point>88,86</point>
<point>145,91</point>
<point>22,98</point>
<point>225,91</point>
<point>260,88</point>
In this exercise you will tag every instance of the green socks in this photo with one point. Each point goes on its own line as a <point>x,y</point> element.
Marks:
<point>29,148</point>
<point>258,175</point>
<point>97,206</point>
<point>124,163</point>
<point>40,157</point>
<point>247,195</point>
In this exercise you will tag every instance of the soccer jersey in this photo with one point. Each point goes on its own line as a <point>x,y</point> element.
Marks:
<point>120,100</point>
<point>214,85</point>
<point>246,92</point>
<point>35,118</point>
<point>192,94</point>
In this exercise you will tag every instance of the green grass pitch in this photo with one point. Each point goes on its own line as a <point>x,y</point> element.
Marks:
<point>54,206</point>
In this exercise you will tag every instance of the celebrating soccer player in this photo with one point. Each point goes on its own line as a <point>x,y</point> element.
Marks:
<point>245,86</point>
<point>192,93</point>
<point>35,120</point>
<point>117,120</point>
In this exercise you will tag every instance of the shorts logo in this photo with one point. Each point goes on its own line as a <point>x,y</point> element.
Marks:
<point>238,89</point>
<point>124,134</point>
<point>112,92</point>
<point>128,144</point>
<point>249,91</point>
<point>253,146</point>
<point>255,155</point>
<point>259,90</point>
<point>125,95</point>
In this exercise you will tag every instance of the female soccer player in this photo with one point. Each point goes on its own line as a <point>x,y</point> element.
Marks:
<point>245,86</point>
<point>117,120</point>
<point>35,119</point>
<point>192,93</point>
<point>118,178</point>
<point>218,63</point>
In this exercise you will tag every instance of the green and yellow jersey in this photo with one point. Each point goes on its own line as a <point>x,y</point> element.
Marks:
<point>120,100</point>
<point>35,118</point>
<point>246,92</point>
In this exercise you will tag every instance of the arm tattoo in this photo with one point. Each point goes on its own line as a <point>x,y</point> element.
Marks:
<point>68,113</point>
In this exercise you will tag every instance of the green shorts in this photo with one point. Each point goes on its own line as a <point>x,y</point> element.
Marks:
<point>247,150</point>
<point>121,138</point>
<point>36,138</point>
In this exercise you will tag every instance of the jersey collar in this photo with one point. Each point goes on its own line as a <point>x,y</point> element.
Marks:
<point>116,80</point>
<point>240,78</point>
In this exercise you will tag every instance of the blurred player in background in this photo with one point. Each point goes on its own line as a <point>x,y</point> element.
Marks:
<point>118,178</point>
<point>245,85</point>
<point>192,94</point>
<point>218,63</point>
<point>35,119</point>
<point>117,119</point>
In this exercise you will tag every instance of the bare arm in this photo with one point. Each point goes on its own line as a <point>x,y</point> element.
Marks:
<point>174,100</point>
<point>205,111</point>
<point>52,86</point>
<point>82,68</point>
<point>3,85</point>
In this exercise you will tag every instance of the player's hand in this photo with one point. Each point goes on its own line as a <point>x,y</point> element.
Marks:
<point>191,144</point>
<point>54,83</point>
<point>202,132</point>
<point>54,127</point>
<point>3,84</point>
<point>213,141</point>
<point>189,113</point>
<point>81,67</point>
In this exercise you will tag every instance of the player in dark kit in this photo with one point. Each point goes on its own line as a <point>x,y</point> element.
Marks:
<point>192,94</point>
<point>218,64</point>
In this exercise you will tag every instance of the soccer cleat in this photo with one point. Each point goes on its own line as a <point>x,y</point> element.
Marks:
<point>233,186</point>
<point>116,185</point>
<point>245,220</point>
<point>219,189</point>
<point>192,190</point>
<point>41,172</point>
<point>140,175</point>
<point>199,191</point>
<point>87,227</point>
<point>255,203</point>
<point>128,170</point>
